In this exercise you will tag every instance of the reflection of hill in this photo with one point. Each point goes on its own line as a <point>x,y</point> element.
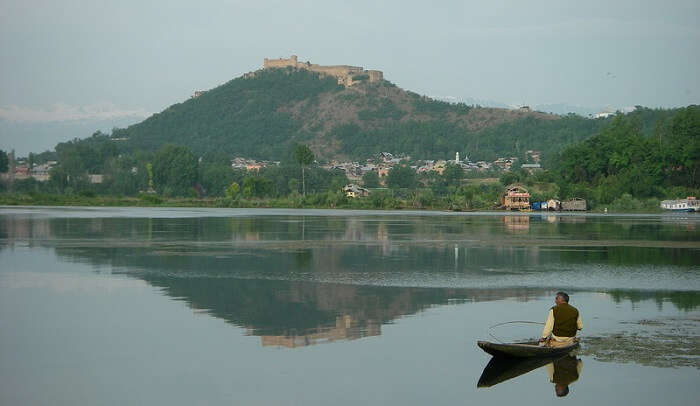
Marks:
<point>258,272</point>
<point>292,314</point>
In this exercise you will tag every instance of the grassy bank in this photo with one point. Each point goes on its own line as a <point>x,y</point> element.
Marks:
<point>422,200</point>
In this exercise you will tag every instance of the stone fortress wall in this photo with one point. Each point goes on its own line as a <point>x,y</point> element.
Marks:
<point>344,73</point>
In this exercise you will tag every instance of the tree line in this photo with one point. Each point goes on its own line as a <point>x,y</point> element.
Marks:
<point>632,162</point>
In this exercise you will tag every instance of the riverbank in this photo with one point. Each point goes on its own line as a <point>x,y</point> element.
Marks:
<point>317,201</point>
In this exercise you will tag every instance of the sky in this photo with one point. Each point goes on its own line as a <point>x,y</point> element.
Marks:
<point>69,61</point>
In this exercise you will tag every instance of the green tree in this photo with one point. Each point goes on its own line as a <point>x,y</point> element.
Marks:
<point>123,176</point>
<point>256,186</point>
<point>216,178</point>
<point>232,190</point>
<point>149,170</point>
<point>304,157</point>
<point>370,179</point>
<point>401,177</point>
<point>174,170</point>
<point>4,161</point>
<point>453,174</point>
<point>293,185</point>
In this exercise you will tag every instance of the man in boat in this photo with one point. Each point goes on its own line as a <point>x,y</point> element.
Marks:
<point>563,321</point>
<point>563,372</point>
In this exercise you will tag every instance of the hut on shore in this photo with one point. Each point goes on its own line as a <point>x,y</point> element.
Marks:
<point>553,205</point>
<point>516,197</point>
<point>575,204</point>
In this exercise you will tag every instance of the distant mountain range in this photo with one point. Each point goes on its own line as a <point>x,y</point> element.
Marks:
<point>28,136</point>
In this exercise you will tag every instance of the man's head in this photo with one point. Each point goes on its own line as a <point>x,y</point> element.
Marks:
<point>561,297</point>
<point>561,390</point>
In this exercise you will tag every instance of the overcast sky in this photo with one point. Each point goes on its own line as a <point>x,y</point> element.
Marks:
<point>65,59</point>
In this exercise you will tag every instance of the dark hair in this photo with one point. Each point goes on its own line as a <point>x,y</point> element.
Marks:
<point>563,296</point>
<point>561,391</point>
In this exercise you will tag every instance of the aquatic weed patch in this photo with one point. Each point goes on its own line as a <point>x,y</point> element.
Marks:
<point>667,343</point>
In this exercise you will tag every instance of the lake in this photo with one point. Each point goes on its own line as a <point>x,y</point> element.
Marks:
<point>117,306</point>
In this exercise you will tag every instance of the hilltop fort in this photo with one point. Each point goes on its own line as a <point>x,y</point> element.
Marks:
<point>347,75</point>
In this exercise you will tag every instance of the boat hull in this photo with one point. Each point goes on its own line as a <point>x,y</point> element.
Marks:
<point>524,350</point>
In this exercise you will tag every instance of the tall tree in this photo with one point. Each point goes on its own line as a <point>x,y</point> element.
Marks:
<point>4,161</point>
<point>304,157</point>
<point>174,170</point>
<point>370,179</point>
<point>401,177</point>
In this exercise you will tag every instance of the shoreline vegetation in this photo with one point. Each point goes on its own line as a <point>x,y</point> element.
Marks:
<point>630,166</point>
<point>313,201</point>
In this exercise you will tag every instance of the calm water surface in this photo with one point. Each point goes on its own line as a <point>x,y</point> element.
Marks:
<point>267,307</point>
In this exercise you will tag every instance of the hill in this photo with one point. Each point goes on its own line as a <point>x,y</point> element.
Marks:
<point>261,114</point>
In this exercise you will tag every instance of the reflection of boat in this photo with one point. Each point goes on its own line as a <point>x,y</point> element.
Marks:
<point>501,369</point>
<point>517,223</point>
<point>524,350</point>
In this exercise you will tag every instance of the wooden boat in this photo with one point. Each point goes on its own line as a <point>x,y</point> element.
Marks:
<point>524,350</point>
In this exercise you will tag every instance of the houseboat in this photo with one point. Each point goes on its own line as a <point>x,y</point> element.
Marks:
<point>683,205</point>
<point>516,197</point>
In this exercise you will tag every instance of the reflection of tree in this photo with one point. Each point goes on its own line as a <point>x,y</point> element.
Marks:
<point>687,301</point>
<point>357,243</point>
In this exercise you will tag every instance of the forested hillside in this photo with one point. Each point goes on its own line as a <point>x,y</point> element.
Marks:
<point>261,115</point>
<point>628,162</point>
<point>648,153</point>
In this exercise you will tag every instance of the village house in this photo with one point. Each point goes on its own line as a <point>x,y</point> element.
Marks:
<point>249,164</point>
<point>383,171</point>
<point>353,190</point>
<point>439,166</point>
<point>483,165</point>
<point>21,172</point>
<point>41,172</point>
<point>368,168</point>
<point>533,155</point>
<point>426,167</point>
<point>505,163</point>
<point>531,168</point>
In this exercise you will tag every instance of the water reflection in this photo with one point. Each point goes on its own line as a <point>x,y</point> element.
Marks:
<point>294,314</point>
<point>517,223</point>
<point>562,371</point>
<point>302,280</point>
<point>356,243</point>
